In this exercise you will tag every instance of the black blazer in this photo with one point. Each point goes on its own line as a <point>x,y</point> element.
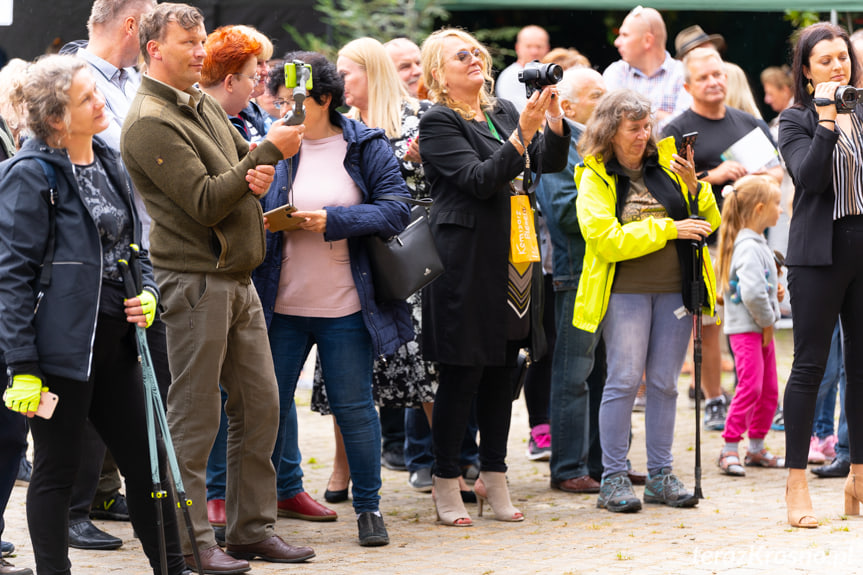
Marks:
<point>808,153</point>
<point>469,170</point>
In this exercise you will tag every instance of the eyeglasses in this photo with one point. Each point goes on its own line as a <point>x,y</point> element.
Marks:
<point>256,78</point>
<point>282,102</point>
<point>465,55</point>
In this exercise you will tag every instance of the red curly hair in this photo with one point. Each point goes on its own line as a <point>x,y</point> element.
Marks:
<point>228,49</point>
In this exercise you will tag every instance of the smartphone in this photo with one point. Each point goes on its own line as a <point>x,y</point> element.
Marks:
<point>47,404</point>
<point>280,219</point>
<point>686,140</point>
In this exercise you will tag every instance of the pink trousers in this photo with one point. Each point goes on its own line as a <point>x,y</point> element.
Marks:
<point>751,411</point>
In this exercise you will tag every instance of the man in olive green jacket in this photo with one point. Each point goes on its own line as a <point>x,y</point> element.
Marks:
<point>201,183</point>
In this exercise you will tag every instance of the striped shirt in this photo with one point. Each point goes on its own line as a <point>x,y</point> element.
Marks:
<point>664,88</point>
<point>848,172</point>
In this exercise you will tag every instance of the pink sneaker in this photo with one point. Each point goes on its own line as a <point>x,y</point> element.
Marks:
<point>827,446</point>
<point>815,455</point>
<point>539,445</point>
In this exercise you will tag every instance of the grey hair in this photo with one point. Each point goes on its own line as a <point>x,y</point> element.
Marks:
<point>108,11</point>
<point>152,26</point>
<point>43,91</point>
<point>699,55</point>
<point>613,108</point>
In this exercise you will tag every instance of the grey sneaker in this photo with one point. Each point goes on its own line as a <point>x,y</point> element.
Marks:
<point>421,479</point>
<point>616,494</point>
<point>666,488</point>
<point>715,411</point>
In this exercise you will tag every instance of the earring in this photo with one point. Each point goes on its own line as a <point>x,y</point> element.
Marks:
<point>810,89</point>
<point>444,90</point>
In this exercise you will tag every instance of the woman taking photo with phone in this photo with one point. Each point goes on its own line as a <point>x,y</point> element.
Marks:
<point>80,342</point>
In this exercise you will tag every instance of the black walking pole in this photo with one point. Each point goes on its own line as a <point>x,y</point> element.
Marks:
<point>697,279</point>
<point>155,413</point>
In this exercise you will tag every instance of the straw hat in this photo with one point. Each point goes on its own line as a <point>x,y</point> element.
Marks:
<point>692,37</point>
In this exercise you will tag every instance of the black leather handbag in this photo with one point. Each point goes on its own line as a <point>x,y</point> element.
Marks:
<point>408,261</point>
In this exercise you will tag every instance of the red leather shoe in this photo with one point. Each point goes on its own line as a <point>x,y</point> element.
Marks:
<point>216,512</point>
<point>302,506</point>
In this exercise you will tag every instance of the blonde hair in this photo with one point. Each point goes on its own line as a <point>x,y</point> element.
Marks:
<point>741,199</point>
<point>386,91</point>
<point>43,91</point>
<point>12,109</point>
<point>433,62</point>
<point>738,94</point>
<point>266,52</point>
<point>566,58</point>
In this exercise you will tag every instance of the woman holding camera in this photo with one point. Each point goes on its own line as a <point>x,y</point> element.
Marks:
<point>485,307</point>
<point>824,154</point>
<point>80,342</point>
<point>635,199</point>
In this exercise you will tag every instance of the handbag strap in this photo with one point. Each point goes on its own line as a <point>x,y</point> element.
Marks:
<point>51,198</point>
<point>424,202</point>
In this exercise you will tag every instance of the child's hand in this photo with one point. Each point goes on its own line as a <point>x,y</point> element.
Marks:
<point>766,336</point>
<point>720,299</point>
<point>780,292</point>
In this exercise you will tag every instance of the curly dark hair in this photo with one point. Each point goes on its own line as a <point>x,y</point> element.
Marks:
<point>326,80</point>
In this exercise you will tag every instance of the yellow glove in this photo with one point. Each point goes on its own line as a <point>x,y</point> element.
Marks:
<point>24,394</point>
<point>148,305</point>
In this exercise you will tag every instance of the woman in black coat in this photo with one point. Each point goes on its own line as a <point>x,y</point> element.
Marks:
<point>824,153</point>
<point>484,307</point>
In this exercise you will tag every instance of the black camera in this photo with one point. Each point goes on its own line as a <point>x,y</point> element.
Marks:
<point>846,99</point>
<point>536,75</point>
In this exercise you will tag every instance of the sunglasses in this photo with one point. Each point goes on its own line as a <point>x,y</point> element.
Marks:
<point>465,55</point>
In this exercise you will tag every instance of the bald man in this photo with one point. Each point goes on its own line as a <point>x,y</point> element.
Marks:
<point>406,57</point>
<point>530,44</point>
<point>646,66</point>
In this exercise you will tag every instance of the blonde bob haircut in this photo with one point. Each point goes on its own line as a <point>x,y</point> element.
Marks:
<point>386,91</point>
<point>433,64</point>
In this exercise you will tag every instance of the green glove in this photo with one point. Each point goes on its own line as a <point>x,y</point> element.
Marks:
<point>148,305</point>
<point>24,394</point>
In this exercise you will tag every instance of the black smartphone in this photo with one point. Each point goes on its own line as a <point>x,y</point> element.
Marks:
<point>686,140</point>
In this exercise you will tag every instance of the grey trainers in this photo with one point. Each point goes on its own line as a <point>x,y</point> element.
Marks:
<point>666,488</point>
<point>421,480</point>
<point>715,411</point>
<point>616,494</point>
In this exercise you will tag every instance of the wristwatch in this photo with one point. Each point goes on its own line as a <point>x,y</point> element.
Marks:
<point>701,175</point>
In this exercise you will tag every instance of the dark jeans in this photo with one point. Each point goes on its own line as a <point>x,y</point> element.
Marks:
<point>392,428</point>
<point>13,438</point>
<point>537,382</point>
<point>578,377</point>
<point>113,399</point>
<point>458,387</point>
<point>818,295</point>
<point>419,451</point>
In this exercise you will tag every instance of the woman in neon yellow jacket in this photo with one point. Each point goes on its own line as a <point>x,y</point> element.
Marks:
<point>636,196</point>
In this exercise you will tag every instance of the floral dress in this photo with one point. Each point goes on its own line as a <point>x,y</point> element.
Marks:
<point>405,379</point>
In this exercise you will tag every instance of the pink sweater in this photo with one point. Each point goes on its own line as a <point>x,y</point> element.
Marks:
<point>316,278</point>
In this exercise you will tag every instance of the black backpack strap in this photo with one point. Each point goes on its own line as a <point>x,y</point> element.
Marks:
<point>51,198</point>
<point>424,202</point>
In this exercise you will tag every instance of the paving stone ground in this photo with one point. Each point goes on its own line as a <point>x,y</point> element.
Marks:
<point>738,528</point>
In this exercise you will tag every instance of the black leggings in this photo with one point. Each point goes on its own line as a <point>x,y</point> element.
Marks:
<point>113,399</point>
<point>818,295</point>
<point>452,408</point>
<point>537,382</point>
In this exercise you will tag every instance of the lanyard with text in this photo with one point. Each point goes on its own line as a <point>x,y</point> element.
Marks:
<point>524,247</point>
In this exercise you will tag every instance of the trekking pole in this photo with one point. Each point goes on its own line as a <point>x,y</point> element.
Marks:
<point>697,249</point>
<point>155,414</point>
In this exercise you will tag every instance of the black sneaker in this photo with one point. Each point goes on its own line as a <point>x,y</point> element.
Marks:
<point>25,468</point>
<point>7,548</point>
<point>113,509</point>
<point>715,411</point>
<point>616,494</point>
<point>373,533</point>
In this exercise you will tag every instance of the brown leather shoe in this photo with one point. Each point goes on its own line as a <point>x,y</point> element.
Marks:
<point>216,512</point>
<point>214,560</point>
<point>273,549</point>
<point>637,478</point>
<point>583,484</point>
<point>302,506</point>
<point>7,568</point>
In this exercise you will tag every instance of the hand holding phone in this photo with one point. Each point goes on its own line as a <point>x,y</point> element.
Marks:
<point>687,141</point>
<point>279,219</point>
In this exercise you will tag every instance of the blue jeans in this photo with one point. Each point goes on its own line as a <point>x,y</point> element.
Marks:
<point>346,353</point>
<point>418,441</point>
<point>825,404</point>
<point>643,336</point>
<point>571,365</point>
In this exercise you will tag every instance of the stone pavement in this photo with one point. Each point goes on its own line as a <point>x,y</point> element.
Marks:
<point>739,527</point>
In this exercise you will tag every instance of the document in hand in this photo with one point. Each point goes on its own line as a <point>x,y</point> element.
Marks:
<point>754,151</point>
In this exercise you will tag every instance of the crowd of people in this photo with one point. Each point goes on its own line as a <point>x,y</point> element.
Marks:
<point>586,227</point>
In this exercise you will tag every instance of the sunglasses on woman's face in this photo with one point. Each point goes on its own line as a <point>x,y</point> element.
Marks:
<point>465,55</point>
